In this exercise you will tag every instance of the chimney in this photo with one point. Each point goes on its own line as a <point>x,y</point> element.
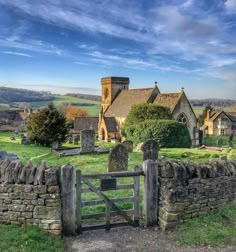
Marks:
<point>208,114</point>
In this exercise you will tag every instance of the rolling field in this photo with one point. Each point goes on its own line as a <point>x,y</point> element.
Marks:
<point>92,107</point>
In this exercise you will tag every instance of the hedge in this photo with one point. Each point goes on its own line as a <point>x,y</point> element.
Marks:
<point>168,133</point>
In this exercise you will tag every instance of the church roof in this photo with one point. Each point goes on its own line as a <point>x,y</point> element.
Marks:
<point>86,122</point>
<point>168,100</point>
<point>126,99</point>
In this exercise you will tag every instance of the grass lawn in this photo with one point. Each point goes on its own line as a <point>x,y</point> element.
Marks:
<point>92,107</point>
<point>27,239</point>
<point>215,230</point>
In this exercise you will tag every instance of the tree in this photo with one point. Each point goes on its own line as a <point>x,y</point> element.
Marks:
<point>47,126</point>
<point>145,111</point>
<point>72,112</point>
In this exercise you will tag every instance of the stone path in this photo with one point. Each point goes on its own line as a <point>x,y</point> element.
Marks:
<point>130,239</point>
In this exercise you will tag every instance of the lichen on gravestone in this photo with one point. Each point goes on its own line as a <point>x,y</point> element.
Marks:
<point>118,159</point>
<point>150,150</point>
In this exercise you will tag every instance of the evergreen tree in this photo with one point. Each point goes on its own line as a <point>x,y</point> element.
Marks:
<point>47,126</point>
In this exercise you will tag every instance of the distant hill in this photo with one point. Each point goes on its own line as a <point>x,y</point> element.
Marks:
<point>15,95</point>
<point>213,102</point>
<point>86,96</point>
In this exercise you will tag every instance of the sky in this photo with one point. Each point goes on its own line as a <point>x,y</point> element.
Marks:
<point>69,45</point>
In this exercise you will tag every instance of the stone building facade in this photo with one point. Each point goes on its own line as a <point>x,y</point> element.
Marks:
<point>219,123</point>
<point>117,100</point>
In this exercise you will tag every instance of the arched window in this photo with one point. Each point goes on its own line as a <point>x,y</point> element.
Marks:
<point>183,119</point>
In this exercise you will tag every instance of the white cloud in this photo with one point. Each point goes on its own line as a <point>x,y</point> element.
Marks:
<point>230,6</point>
<point>18,54</point>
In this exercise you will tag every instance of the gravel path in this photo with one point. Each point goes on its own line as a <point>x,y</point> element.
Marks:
<point>130,239</point>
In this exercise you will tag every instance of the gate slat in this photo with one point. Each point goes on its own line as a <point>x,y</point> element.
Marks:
<point>102,215</point>
<point>136,198</point>
<point>78,202</point>
<point>118,187</point>
<point>99,202</point>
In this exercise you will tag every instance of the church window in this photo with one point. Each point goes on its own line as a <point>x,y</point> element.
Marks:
<point>183,119</point>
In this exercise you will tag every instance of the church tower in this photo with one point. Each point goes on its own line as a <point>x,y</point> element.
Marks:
<point>111,86</point>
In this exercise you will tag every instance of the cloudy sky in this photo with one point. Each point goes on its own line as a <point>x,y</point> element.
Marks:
<point>68,45</point>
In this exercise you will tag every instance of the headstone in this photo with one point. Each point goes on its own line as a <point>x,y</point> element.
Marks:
<point>70,139</point>
<point>129,145</point>
<point>76,140</point>
<point>150,150</point>
<point>219,142</point>
<point>118,159</point>
<point>230,144</point>
<point>55,145</point>
<point>223,158</point>
<point>87,141</point>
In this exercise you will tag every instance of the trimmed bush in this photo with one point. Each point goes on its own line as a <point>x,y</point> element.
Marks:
<point>168,133</point>
<point>145,111</point>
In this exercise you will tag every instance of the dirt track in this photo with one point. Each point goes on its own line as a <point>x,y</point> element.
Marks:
<point>129,239</point>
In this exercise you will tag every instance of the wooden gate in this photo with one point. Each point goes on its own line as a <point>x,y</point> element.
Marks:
<point>107,182</point>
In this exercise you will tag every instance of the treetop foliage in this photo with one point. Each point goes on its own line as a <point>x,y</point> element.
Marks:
<point>47,126</point>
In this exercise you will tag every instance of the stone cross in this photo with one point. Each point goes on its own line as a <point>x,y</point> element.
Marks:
<point>150,150</point>
<point>118,159</point>
<point>128,145</point>
<point>87,141</point>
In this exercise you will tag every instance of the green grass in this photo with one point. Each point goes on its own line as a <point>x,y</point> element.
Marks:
<point>216,229</point>
<point>92,108</point>
<point>27,239</point>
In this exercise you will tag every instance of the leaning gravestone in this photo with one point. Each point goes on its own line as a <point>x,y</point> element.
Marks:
<point>150,150</point>
<point>128,145</point>
<point>87,144</point>
<point>118,159</point>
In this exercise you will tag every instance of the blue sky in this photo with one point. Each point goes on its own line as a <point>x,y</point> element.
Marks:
<point>69,45</point>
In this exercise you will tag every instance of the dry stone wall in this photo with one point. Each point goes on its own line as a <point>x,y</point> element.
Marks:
<point>30,195</point>
<point>190,190</point>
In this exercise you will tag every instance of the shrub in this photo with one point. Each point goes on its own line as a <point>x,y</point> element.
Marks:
<point>168,133</point>
<point>47,126</point>
<point>142,112</point>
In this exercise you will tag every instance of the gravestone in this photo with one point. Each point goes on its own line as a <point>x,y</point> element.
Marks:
<point>223,158</point>
<point>70,139</point>
<point>129,145</point>
<point>76,140</point>
<point>219,142</point>
<point>118,159</point>
<point>150,150</point>
<point>55,145</point>
<point>87,144</point>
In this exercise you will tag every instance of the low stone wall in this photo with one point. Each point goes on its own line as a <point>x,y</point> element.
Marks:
<point>190,190</point>
<point>30,195</point>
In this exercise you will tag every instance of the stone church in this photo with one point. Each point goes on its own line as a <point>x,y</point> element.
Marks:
<point>117,100</point>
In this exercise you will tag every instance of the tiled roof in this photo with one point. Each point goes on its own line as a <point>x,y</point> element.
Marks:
<point>168,100</point>
<point>231,115</point>
<point>214,115</point>
<point>86,122</point>
<point>111,124</point>
<point>126,99</point>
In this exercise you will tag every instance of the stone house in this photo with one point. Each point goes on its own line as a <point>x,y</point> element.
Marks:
<point>219,123</point>
<point>117,100</point>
